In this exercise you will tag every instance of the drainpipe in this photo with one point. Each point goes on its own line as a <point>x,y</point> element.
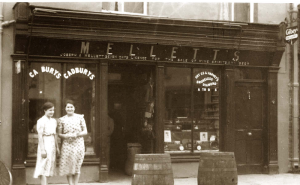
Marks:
<point>294,90</point>
<point>2,24</point>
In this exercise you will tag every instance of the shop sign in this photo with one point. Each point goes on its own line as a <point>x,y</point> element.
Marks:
<point>206,81</point>
<point>147,52</point>
<point>291,34</point>
<point>57,73</point>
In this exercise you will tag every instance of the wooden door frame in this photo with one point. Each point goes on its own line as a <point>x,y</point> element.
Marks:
<point>271,136</point>
<point>256,83</point>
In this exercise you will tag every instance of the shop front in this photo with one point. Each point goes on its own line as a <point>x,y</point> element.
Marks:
<point>173,86</point>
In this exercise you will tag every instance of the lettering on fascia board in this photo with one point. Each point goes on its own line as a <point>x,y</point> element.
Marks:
<point>173,56</point>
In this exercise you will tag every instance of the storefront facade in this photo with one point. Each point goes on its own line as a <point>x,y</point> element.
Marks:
<point>175,86</point>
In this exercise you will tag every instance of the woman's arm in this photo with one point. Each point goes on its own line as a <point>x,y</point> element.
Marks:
<point>64,136</point>
<point>41,145</point>
<point>40,130</point>
<point>60,134</point>
<point>83,128</point>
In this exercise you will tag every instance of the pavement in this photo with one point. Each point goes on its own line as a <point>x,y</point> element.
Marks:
<point>253,179</point>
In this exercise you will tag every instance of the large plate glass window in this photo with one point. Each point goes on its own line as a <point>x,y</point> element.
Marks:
<point>57,82</point>
<point>206,109</point>
<point>178,126</point>
<point>191,121</point>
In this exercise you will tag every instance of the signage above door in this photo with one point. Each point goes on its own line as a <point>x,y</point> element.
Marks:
<point>147,52</point>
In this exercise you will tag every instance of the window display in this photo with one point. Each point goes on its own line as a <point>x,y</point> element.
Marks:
<point>191,121</point>
<point>57,82</point>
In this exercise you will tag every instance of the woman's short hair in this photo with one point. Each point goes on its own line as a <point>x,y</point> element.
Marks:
<point>47,105</point>
<point>69,102</point>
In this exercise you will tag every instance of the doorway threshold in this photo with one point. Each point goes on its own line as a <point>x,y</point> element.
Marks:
<point>117,176</point>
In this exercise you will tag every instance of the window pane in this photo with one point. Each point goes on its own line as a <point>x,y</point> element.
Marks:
<point>44,82</point>
<point>178,122</point>
<point>80,87</point>
<point>57,82</point>
<point>206,110</point>
<point>134,7</point>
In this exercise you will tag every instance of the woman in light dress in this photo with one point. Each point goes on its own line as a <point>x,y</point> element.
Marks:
<point>71,129</point>
<point>47,145</point>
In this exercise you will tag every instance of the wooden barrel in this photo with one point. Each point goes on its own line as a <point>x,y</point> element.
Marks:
<point>217,168</point>
<point>132,150</point>
<point>152,169</point>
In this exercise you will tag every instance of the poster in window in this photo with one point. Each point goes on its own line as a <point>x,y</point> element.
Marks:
<point>167,134</point>
<point>203,136</point>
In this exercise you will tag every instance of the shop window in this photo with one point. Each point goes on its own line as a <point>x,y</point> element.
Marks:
<point>56,82</point>
<point>191,121</point>
<point>206,110</point>
<point>178,120</point>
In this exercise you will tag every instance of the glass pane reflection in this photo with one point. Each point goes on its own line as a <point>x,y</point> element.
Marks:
<point>178,121</point>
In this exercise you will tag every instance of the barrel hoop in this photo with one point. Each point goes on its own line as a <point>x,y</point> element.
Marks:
<point>227,158</point>
<point>152,172</point>
<point>217,169</point>
<point>151,156</point>
<point>151,162</point>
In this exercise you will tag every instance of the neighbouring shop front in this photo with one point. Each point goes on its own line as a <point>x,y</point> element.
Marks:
<point>174,86</point>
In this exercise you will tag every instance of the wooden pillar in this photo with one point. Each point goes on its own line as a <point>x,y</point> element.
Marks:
<point>272,153</point>
<point>103,79</point>
<point>159,110</point>
<point>19,120</point>
<point>228,110</point>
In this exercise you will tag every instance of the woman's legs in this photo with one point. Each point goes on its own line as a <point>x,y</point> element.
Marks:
<point>43,180</point>
<point>76,178</point>
<point>70,179</point>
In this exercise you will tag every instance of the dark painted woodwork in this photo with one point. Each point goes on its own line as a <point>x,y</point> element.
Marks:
<point>19,121</point>
<point>133,29</point>
<point>227,111</point>
<point>249,126</point>
<point>103,172</point>
<point>184,54</point>
<point>21,11</point>
<point>272,157</point>
<point>21,15</point>
<point>276,58</point>
<point>159,110</point>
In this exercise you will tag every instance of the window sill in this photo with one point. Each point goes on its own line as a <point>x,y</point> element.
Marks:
<point>177,157</point>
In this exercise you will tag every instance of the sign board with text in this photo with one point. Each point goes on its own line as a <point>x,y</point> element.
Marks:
<point>291,34</point>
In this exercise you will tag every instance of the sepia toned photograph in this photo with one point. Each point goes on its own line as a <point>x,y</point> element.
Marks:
<point>149,93</point>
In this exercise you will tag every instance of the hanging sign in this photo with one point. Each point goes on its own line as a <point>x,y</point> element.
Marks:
<point>291,34</point>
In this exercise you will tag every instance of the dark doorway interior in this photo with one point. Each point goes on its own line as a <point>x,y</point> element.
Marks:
<point>130,91</point>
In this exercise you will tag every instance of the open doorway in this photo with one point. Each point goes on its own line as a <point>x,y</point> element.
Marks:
<point>131,106</point>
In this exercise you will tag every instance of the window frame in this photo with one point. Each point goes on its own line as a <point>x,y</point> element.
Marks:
<point>217,67</point>
<point>89,159</point>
